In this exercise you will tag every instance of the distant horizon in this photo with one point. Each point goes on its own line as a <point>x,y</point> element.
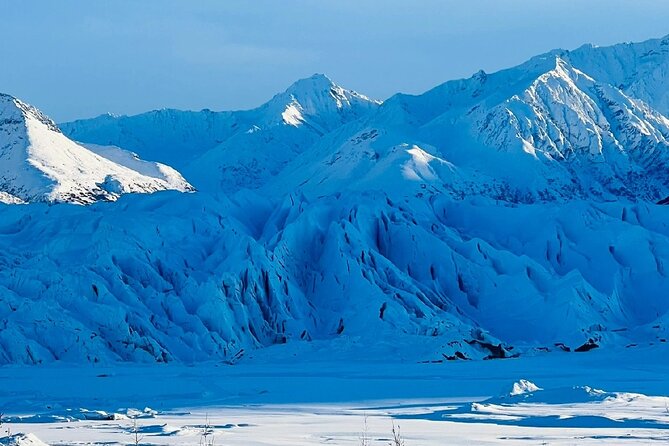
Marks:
<point>127,58</point>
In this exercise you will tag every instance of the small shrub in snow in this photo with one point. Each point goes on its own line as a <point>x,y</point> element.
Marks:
<point>397,439</point>
<point>135,432</point>
<point>207,434</point>
<point>364,435</point>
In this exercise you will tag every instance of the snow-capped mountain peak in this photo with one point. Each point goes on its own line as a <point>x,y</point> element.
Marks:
<point>233,149</point>
<point>39,163</point>
<point>556,126</point>
<point>313,83</point>
<point>314,105</point>
<point>318,102</point>
<point>12,108</point>
<point>319,89</point>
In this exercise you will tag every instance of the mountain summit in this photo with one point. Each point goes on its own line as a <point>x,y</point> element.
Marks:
<point>39,163</point>
<point>319,102</point>
<point>233,149</point>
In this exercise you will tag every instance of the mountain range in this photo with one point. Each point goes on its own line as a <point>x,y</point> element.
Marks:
<point>503,214</point>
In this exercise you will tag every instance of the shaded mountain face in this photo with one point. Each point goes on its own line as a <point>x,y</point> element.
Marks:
<point>186,277</point>
<point>487,217</point>
<point>39,163</point>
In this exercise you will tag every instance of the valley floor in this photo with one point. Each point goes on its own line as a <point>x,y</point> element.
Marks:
<point>272,400</point>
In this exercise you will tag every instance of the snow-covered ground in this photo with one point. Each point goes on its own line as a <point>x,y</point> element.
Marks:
<point>605,397</point>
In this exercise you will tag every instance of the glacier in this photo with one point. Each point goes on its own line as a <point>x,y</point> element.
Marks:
<point>506,214</point>
<point>173,277</point>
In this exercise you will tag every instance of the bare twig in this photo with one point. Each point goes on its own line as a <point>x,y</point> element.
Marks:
<point>207,435</point>
<point>135,431</point>
<point>397,436</point>
<point>364,435</point>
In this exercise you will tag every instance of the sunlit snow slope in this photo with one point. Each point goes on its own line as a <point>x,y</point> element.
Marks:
<point>39,163</point>
<point>556,127</point>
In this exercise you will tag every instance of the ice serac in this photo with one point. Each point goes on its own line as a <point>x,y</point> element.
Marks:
<point>183,277</point>
<point>39,163</point>
<point>187,278</point>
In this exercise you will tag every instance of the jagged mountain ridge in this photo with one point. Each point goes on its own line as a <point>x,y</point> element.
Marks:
<point>39,163</point>
<point>585,123</point>
<point>543,130</point>
<point>257,143</point>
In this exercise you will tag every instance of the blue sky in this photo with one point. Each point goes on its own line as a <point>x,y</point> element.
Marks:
<point>80,58</point>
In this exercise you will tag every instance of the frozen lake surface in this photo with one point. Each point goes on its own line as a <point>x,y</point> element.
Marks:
<point>599,397</point>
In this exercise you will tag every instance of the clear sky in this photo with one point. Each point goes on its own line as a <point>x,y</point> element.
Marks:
<point>80,58</point>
